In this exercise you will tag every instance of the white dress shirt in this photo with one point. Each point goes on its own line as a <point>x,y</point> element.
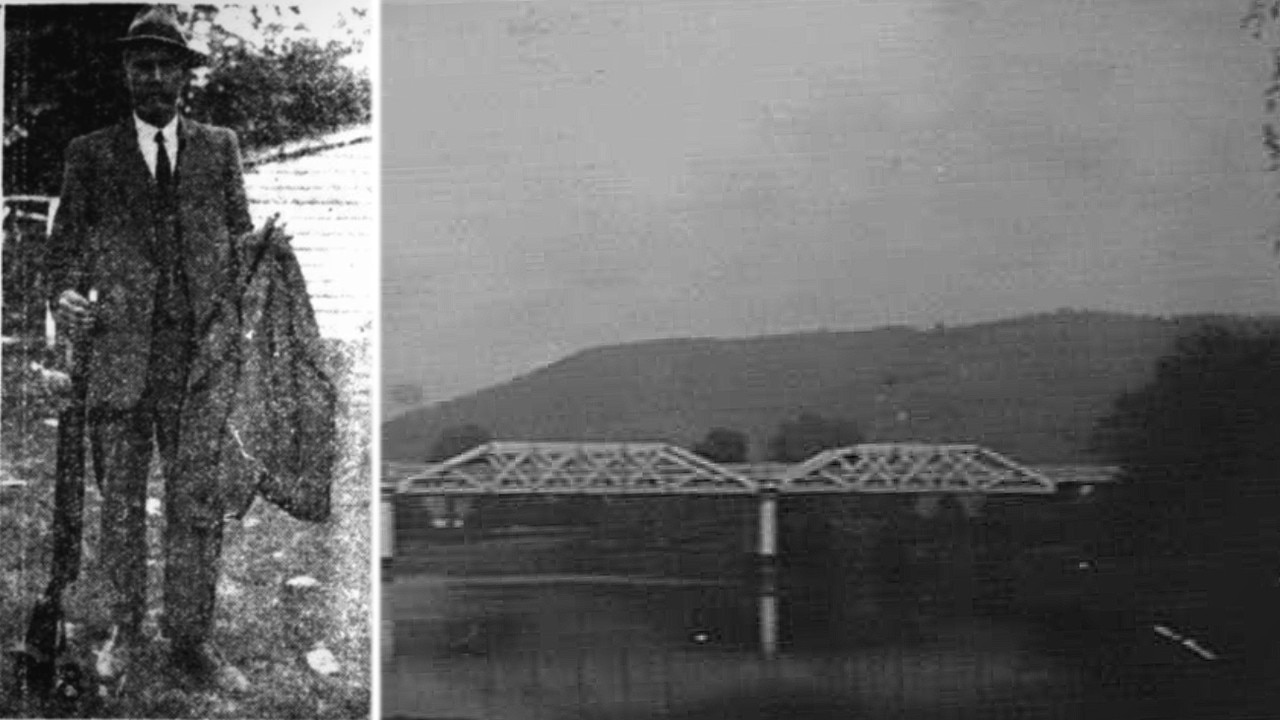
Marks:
<point>147,141</point>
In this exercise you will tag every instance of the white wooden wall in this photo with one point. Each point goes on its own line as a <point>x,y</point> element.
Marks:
<point>326,201</point>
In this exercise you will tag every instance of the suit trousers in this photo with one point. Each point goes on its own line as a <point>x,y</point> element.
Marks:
<point>123,445</point>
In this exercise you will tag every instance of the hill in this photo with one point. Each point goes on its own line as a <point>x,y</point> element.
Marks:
<point>1030,387</point>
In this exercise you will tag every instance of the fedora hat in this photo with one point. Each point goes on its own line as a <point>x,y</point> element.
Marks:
<point>158,26</point>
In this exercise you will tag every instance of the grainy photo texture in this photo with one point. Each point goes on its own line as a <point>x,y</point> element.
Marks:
<point>188,217</point>
<point>911,359</point>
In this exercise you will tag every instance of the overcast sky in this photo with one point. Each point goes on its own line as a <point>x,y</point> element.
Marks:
<point>564,175</point>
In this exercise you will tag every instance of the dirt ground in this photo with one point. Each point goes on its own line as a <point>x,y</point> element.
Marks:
<point>263,629</point>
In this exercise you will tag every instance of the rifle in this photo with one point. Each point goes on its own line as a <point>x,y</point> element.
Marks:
<point>37,665</point>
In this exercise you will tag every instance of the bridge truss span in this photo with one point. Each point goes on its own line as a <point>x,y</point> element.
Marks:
<point>650,468</point>
<point>577,468</point>
<point>913,468</point>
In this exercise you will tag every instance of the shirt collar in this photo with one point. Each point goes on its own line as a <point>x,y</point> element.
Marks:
<point>147,132</point>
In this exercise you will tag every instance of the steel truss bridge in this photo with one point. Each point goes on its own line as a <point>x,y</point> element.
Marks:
<point>602,468</point>
<point>656,469</point>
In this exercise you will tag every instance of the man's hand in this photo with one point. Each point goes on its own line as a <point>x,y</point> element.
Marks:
<point>271,236</point>
<point>54,382</point>
<point>75,311</point>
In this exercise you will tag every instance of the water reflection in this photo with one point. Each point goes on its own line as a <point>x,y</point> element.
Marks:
<point>577,648</point>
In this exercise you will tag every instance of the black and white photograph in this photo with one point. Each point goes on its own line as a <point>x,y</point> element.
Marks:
<point>791,359</point>
<point>189,294</point>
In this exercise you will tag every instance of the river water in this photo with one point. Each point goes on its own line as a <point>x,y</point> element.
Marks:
<point>614,647</point>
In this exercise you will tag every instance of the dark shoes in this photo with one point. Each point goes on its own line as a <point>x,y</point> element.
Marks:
<point>201,661</point>
<point>205,664</point>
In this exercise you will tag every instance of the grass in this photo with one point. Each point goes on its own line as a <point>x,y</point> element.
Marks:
<point>260,627</point>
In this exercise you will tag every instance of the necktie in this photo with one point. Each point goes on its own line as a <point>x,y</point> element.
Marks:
<point>170,287</point>
<point>164,174</point>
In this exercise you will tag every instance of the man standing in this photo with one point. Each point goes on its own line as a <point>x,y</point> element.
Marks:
<point>144,248</point>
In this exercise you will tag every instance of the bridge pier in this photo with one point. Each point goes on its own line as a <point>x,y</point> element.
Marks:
<point>387,544</point>
<point>387,629</point>
<point>768,562</point>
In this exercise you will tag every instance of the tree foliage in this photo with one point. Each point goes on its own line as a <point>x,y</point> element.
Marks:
<point>62,79</point>
<point>810,434</point>
<point>1200,445</point>
<point>723,445</point>
<point>270,80</point>
<point>286,87</point>
<point>1263,22</point>
<point>455,440</point>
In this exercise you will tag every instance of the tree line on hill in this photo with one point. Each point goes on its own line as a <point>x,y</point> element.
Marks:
<point>1199,449</point>
<point>794,441</point>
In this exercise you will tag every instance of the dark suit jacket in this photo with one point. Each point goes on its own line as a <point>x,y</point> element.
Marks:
<point>104,238</point>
